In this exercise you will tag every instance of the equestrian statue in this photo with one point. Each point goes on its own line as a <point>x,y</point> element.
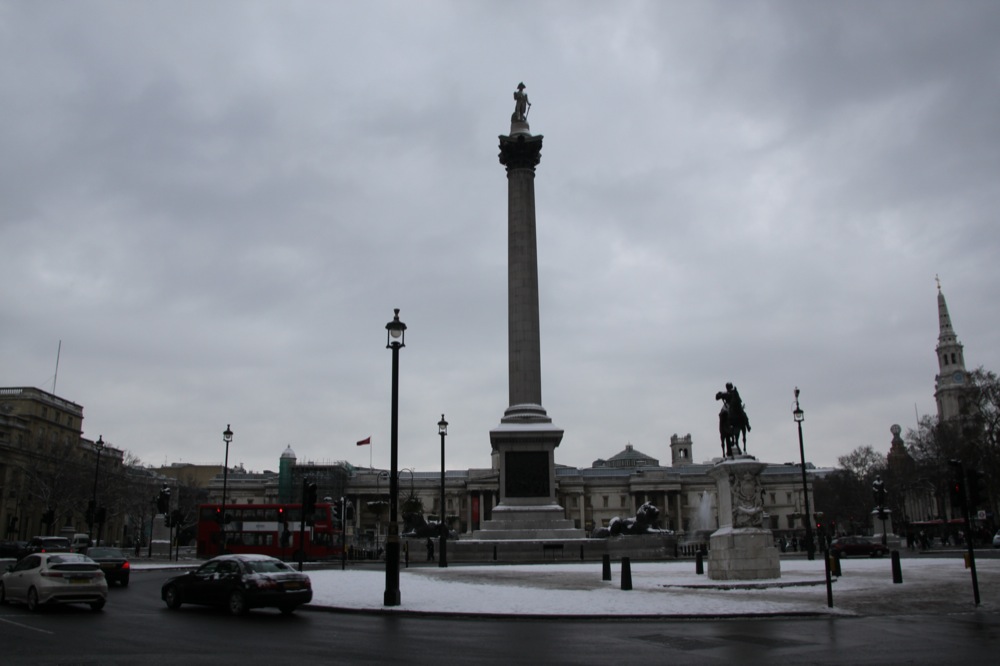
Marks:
<point>732,421</point>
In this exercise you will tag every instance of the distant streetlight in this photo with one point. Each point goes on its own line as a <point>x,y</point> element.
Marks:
<point>98,446</point>
<point>227,437</point>
<point>443,431</point>
<point>395,340</point>
<point>799,417</point>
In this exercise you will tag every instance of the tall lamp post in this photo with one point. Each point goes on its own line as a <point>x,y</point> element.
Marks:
<point>98,446</point>
<point>799,417</point>
<point>443,562</point>
<point>395,340</point>
<point>227,437</point>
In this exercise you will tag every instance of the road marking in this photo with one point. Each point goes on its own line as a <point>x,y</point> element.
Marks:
<point>26,626</point>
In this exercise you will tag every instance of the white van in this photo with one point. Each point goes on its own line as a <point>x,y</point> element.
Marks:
<point>79,543</point>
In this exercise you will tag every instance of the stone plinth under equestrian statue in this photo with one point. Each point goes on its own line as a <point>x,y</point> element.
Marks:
<point>742,548</point>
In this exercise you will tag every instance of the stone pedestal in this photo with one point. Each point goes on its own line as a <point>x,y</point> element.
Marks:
<point>524,444</point>
<point>742,548</point>
<point>880,527</point>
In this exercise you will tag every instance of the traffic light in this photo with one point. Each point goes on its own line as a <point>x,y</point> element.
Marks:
<point>176,518</point>
<point>49,517</point>
<point>957,493</point>
<point>218,515</point>
<point>976,483</point>
<point>335,511</point>
<point>163,500</point>
<point>166,520</point>
<point>309,501</point>
<point>90,512</point>
<point>100,515</point>
<point>282,518</point>
<point>348,510</point>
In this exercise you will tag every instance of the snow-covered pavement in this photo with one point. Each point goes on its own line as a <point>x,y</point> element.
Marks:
<point>930,585</point>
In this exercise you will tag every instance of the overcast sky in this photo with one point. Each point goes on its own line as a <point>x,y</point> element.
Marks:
<point>215,207</point>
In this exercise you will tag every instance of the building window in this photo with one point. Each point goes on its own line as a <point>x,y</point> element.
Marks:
<point>788,497</point>
<point>773,501</point>
<point>605,498</point>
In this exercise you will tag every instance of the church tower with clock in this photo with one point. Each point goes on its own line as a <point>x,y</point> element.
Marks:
<point>952,379</point>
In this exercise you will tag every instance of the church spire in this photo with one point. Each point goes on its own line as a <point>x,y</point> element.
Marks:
<point>951,379</point>
<point>947,333</point>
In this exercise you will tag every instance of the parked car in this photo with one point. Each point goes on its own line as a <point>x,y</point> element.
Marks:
<point>55,578</point>
<point>857,545</point>
<point>114,564</point>
<point>996,539</point>
<point>46,544</point>
<point>239,583</point>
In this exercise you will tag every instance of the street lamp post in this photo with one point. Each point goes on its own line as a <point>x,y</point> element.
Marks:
<point>98,446</point>
<point>443,562</point>
<point>799,417</point>
<point>395,340</point>
<point>227,437</point>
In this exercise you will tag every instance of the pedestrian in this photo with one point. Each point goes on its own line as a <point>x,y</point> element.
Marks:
<point>430,550</point>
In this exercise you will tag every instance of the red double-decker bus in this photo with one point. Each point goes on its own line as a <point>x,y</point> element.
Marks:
<point>268,529</point>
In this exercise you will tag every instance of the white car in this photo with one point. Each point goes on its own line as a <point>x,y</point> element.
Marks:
<point>55,578</point>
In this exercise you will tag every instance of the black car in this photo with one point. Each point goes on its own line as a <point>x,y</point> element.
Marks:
<point>239,583</point>
<point>113,563</point>
<point>12,549</point>
<point>857,545</point>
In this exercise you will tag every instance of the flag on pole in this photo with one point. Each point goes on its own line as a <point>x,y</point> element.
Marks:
<point>366,441</point>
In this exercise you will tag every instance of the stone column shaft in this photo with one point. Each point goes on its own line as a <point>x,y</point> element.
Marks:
<point>520,154</point>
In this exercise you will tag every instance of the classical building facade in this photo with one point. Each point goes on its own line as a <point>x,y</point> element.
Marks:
<point>48,469</point>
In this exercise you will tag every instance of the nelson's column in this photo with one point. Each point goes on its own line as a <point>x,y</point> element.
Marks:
<point>524,442</point>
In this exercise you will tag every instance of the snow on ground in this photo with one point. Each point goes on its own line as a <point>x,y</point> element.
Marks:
<point>931,585</point>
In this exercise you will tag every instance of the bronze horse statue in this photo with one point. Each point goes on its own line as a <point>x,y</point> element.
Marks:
<point>733,422</point>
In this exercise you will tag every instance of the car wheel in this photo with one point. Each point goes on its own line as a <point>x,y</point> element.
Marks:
<point>32,599</point>
<point>287,610</point>
<point>172,598</point>
<point>98,605</point>
<point>237,603</point>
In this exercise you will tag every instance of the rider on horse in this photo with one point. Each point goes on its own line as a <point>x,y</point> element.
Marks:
<point>732,419</point>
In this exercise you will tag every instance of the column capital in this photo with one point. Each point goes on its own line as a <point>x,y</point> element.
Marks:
<point>520,151</point>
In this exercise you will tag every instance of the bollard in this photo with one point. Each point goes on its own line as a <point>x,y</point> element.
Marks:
<point>494,553</point>
<point>626,574</point>
<point>835,564</point>
<point>606,567</point>
<point>581,552</point>
<point>699,563</point>
<point>829,582</point>
<point>897,570</point>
